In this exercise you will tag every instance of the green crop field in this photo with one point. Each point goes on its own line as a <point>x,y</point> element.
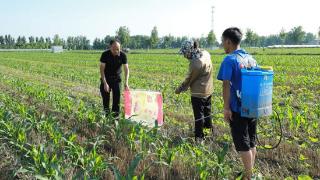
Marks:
<point>52,126</point>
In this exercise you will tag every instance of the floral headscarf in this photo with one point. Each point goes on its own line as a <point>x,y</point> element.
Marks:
<point>188,47</point>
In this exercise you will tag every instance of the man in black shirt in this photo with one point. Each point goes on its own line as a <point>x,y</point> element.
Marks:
<point>110,70</point>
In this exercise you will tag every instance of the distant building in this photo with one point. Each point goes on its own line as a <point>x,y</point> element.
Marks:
<point>126,50</point>
<point>56,49</point>
<point>294,46</point>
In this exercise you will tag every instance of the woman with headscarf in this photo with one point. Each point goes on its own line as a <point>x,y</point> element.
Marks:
<point>200,81</point>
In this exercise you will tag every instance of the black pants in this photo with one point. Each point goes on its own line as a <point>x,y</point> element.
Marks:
<point>115,87</point>
<point>244,131</point>
<point>202,114</point>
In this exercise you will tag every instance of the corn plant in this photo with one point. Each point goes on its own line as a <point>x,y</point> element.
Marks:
<point>130,173</point>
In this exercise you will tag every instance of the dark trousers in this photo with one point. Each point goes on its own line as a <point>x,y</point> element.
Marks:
<point>244,131</point>
<point>115,87</point>
<point>202,114</point>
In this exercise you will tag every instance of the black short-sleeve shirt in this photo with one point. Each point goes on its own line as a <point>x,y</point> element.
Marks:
<point>113,63</point>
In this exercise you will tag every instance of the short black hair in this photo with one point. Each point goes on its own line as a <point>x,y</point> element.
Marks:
<point>114,41</point>
<point>234,34</point>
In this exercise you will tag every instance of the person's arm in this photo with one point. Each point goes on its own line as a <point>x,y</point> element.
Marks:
<point>194,71</point>
<point>126,71</point>
<point>103,77</point>
<point>225,75</point>
<point>226,99</point>
<point>126,76</point>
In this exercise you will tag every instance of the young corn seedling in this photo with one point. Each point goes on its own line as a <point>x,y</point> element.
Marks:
<point>129,175</point>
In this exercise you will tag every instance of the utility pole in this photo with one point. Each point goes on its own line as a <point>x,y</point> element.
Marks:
<point>212,20</point>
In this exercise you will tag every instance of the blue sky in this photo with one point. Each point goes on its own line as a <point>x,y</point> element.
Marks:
<point>96,18</point>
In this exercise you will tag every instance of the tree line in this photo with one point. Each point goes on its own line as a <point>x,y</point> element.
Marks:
<point>21,42</point>
<point>296,36</point>
<point>152,42</point>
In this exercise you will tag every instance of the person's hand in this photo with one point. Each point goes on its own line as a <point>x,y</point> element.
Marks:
<point>227,115</point>
<point>126,87</point>
<point>106,87</point>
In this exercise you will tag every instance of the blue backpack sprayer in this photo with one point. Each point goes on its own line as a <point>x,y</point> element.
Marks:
<point>256,92</point>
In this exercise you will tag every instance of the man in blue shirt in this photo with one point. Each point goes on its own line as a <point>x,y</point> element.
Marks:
<point>243,130</point>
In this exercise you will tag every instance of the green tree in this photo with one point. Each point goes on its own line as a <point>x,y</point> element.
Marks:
<point>252,38</point>
<point>177,42</point>
<point>21,42</point>
<point>154,39</point>
<point>84,43</point>
<point>203,42</point>
<point>31,39</point>
<point>295,36</point>
<point>31,42</point>
<point>211,39</point>
<point>272,40</point>
<point>262,41</point>
<point>70,43</point>
<point>41,43</point>
<point>98,44</point>
<point>139,41</point>
<point>167,41</point>
<point>9,41</point>
<point>319,36</point>
<point>123,34</point>
<point>282,36</point>
<point>106,41</point>
<point>309,38</point>
<point>77,43</point>
<point>48,42</point>
<point>2,42</point>
<point>57,41</point>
